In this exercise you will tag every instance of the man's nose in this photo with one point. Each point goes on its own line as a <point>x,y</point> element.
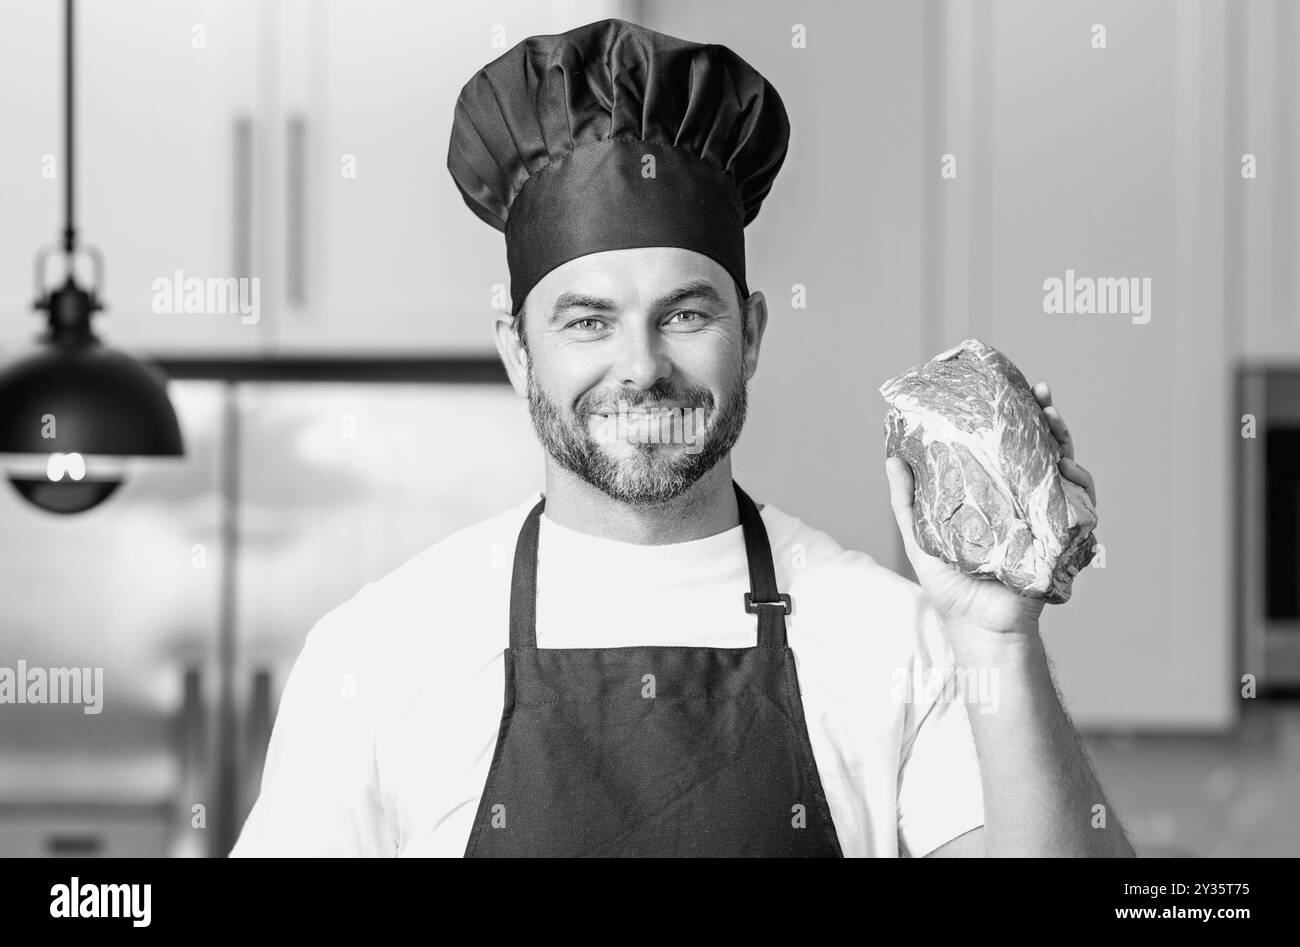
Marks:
<point>642,359</point>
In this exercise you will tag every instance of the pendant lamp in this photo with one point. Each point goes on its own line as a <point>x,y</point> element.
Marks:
<point>73,412</point>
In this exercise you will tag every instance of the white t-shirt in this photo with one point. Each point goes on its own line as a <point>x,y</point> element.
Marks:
<point>389,718</point>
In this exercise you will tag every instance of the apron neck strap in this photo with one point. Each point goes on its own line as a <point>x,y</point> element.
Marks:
<point>762,599</point>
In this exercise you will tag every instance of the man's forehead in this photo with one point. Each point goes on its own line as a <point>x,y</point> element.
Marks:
<point>629,277</point>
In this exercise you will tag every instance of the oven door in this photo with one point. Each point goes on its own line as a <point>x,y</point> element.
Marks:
<point>1269,513</point>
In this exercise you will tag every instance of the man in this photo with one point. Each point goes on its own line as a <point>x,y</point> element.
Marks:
<point>686,672</point>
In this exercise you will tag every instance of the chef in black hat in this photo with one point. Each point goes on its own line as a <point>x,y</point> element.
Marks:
<point>653,704</point>
<point>607,155</point>
<point>622,166</point>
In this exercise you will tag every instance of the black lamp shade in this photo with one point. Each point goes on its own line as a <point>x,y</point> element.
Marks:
<point>64,497</point>
<point>102,402</point>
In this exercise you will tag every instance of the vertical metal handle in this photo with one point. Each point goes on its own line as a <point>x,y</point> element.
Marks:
<point>295,189</point>
<point>257,738</point>
<point>226,794</point>
<point>241,257</point>
<point>192,750</point>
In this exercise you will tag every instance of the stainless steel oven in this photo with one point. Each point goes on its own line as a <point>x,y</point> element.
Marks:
<point>1268,560</point>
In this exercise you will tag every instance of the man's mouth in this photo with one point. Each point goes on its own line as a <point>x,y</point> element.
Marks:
<point>660,425</point>
<point>641,414</point>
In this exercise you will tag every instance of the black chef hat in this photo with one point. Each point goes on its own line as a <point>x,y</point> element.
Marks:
<point>551,144</point>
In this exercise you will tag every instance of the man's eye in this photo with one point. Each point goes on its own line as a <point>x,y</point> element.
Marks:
<point>586,325</point>
<point>690,317</point>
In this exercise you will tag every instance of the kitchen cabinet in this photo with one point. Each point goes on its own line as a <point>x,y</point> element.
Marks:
<point>373,248</point>
<point>31,205</point>
<point>166,150</point>
<point>301,144</point>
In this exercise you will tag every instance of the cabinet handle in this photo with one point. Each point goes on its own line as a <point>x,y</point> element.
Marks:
<point>295,189</point>
<point>242,196</point>
<point>257,738</point>
<point>87,844</point>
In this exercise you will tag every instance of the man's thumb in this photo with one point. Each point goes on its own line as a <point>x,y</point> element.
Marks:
<point>900,498</point>
<point>900,484</point>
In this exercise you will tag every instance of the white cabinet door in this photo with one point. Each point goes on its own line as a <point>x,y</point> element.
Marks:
<point>1081,174</point>
<point>167,151</point>
<point>373,247</point>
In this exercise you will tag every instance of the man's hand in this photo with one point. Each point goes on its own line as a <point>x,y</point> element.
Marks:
<point>965,601</point>
<point>1040,793</point>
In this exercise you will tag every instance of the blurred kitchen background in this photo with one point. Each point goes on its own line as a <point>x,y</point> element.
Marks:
<point>364,416</point>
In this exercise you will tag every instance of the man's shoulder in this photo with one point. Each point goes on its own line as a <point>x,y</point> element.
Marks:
<point>816,553</point>
<point>436,598</point>
<point>847,590</point>
<point>473,554</point>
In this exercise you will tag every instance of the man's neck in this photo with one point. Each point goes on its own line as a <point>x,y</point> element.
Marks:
<point>706,509</point>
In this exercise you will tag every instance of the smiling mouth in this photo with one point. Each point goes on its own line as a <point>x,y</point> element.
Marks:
<point>635,415</point>
<point>662,427</point>
<point>641,412</point>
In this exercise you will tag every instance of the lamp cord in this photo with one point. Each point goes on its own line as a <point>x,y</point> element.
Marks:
<point>69,228</point>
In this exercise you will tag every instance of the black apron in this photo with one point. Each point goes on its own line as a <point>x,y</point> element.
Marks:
<point>653,751</point>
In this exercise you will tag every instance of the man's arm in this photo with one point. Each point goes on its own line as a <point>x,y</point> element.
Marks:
<point>1041,797</point>
<point>1040,794</point>
<point>970,845</point>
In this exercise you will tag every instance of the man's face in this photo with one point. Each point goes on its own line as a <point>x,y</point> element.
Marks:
<point>637,370</point>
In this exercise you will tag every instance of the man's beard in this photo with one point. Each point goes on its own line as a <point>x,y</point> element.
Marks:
<point>646,474</point>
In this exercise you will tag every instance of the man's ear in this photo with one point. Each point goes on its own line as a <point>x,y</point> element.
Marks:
<point>756,313</point>
<point>513,355</point>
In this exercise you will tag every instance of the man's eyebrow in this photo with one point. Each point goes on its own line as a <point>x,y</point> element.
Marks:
<point>695,289</point>
<point>572,300</point>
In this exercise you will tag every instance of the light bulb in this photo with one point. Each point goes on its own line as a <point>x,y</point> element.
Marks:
<point>72,466</point>
<point>65,482</point>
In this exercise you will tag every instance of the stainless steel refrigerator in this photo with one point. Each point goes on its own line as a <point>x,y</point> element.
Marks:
<point>193,588</point>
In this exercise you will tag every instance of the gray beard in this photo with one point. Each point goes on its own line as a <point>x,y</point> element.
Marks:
<point>648,475</point>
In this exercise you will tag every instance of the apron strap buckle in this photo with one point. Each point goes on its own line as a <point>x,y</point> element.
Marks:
<point>751,606</point>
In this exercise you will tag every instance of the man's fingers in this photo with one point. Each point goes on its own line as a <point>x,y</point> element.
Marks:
<point>1060,431</point>
<point>1077,473</point>
<point>1056,423</point>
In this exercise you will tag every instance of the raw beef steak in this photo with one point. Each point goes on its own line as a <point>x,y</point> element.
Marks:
<point>989,497</point>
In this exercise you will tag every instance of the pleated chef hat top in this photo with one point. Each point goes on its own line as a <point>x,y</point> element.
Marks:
<point>613,136</point>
